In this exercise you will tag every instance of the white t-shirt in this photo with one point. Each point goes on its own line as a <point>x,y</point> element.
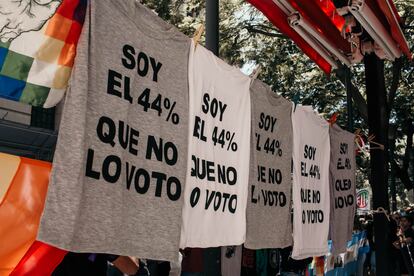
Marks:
<point>215,197</point>
<point>311,198</point>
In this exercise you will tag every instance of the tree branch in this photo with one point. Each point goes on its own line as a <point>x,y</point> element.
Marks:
<point>402,172</point>
<point>402,175</point>
<point>252,29</point>
<point>357,97</point>
<point>396,75</point>
<point>410,132</point>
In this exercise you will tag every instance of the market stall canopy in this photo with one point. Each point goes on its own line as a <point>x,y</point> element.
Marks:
<point>339,32</point>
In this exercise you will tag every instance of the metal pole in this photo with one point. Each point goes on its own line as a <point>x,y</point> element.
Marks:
<point>378,124</point>
<point>211,256</point>
<point>212,26</point>
<point>349,99</point>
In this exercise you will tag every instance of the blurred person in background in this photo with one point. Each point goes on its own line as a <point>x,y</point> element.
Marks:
<point>404,244</point>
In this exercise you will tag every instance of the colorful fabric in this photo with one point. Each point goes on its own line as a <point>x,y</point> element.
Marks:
<point>25,184</point>
<point>8,168</point>
<point>319,265</point>
<point>40,259</point>
<point>351,261</point>
<point>37,49</point>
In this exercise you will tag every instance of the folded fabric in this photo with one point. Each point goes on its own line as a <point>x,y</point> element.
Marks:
<point>37,49</point>
<point>40,259</point>
<point>24,182</point>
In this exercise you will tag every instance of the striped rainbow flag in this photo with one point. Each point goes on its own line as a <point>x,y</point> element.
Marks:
<point>23,187</point>
<point>37,49</point>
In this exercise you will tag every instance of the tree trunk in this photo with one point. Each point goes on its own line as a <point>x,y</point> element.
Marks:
<point>378,126</point>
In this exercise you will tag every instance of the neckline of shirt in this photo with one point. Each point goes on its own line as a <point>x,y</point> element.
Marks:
<point>336,128</point>
<point>272,97</point>
<point>222,65</point>
<point>309,109</point>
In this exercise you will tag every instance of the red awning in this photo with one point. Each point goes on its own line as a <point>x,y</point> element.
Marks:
<point>311,10</point>
<point>373,5</point>
<point>390,12</point>
<point>279,19</point>
<point>327,22</point>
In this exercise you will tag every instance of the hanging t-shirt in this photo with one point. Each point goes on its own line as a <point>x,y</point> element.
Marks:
<point>248,267</point>
<point>214,212</point>
<point>231,257</point>
<point>311,198</point>
<point>269,223</point>
<point>342,187</point>
<point>212,261</point>
<point>119,168</point>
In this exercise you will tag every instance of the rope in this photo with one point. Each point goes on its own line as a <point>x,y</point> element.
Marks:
<point>381,210</point>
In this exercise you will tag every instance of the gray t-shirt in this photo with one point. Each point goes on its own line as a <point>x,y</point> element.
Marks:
<point>269,199</point>
<point>342,182</point>
<point>119,168</point>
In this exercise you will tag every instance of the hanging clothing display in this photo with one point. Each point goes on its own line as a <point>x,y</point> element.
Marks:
<point>212,261</point>
<point>311,198</point>
<point>261,262</point>
<point>119,168</point>
<point>215,196</point>
<point>193,260</point>
<point>37,49</point>
<point>342,187</point>
<point>269,223</point>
